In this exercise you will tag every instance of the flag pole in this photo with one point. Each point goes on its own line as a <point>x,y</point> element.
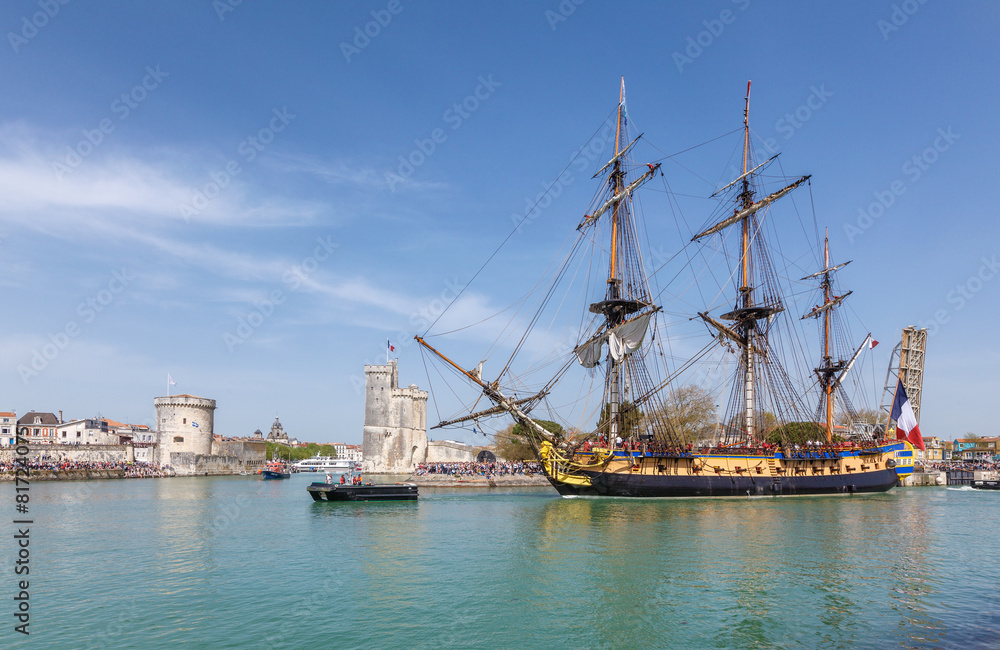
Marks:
<point>168,384</point>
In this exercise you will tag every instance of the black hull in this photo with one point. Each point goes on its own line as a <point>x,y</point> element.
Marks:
<point>327,492</point>
<point>608,484</point>
<point>986,485</point>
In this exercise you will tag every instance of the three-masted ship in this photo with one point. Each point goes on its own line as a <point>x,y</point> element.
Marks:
<point>778,433</point>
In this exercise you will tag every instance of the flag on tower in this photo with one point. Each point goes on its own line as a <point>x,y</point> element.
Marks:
<point>906,422</point>
<point>170,380</point>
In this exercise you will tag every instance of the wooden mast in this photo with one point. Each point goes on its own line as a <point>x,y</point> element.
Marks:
<point>745,289</point>
<point>614,398</point>
<point>616,181</point>
<point>826,338</point>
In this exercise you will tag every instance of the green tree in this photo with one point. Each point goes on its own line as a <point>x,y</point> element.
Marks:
<point>630,419</point>
<point>798,433</point>
<point>284,452</point>
<point>513,442</point>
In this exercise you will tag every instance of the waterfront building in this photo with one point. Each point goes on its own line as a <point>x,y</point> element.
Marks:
<point>8,428</point>
<point>279,435</point>
<point>395,433</point>
<point>38,427</point>
<point>185,425</point>
<point>348,452</point>
<point>185,433</point>
<point>972,449</point>
<point>934,449</point>
<point>89,431</point>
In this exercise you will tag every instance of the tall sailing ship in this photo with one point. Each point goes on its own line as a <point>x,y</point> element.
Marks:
<point>777,433</point>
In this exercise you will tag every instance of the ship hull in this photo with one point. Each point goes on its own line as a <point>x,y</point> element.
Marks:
<point>612,484</point>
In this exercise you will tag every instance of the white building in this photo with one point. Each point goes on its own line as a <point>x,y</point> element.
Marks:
<point>8,428</point>
<point>90,431</point>
<point>349,452</point>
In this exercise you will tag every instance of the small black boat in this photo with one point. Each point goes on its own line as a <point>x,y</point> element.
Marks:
<point>986,485</point>
<point>383,492</point>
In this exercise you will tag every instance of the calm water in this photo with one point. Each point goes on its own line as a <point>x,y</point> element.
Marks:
<point>238,562</point>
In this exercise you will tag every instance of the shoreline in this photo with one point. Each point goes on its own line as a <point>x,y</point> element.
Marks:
<point>444,480</point>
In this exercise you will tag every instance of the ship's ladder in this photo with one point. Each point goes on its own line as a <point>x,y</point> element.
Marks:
<point>772,466</point>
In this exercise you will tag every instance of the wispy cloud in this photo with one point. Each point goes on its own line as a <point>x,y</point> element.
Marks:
<point>121,187</point>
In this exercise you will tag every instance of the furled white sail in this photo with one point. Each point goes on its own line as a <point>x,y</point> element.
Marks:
<point>627,337</point>
<point>589,353</point>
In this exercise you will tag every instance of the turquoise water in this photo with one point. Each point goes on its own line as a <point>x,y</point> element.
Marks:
<point>237,562</point>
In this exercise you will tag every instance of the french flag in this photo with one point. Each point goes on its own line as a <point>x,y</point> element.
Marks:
<point>906,423</point>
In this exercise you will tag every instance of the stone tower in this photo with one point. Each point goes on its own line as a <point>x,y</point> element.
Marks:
<point>395,436</point>
<point>184,424</point>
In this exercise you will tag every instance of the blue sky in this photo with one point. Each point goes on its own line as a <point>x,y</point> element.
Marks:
<point>217,191</point>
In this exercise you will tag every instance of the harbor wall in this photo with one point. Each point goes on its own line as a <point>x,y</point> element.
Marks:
<point>66,475</point>
<point>448,451</point>
<point>251,453</point>
<point>924,478</point>
<point>74,453</point>
<point>185,463</point>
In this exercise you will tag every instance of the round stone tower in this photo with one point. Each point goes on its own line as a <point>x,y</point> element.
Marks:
<point>184,424</point>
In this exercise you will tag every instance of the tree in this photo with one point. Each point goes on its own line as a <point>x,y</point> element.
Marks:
<point>865,421</point>
<point>284,452</point>
<point>799,433</point>
<point>513,442</point>
<point>630,419</point>
<point>689,412</point>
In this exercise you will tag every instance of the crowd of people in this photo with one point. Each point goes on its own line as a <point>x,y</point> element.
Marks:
<point>131,470</point>
<point>963,465</point>
<point>487,470</point>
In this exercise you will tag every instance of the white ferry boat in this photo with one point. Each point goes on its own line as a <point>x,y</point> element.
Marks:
<point>324,464</point>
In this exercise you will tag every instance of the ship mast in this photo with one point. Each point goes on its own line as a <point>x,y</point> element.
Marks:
<point>614,317</point>
<point>746,200</point>
<point>830,373</point>
<point>744,330</point>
